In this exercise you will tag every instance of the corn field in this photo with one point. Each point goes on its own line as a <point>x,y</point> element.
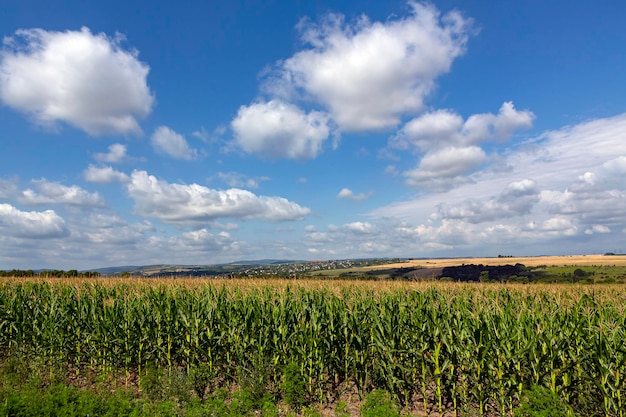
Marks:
<point>442,349</point>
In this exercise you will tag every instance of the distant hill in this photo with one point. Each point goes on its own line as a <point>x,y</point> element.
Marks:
<point>164,269</point>
<point>115,269</point>
<point>263,262</point>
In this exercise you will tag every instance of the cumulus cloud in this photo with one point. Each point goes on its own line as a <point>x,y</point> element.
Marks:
<point>167,142</point>
<point>31,224</point>
<point>116,154</point>
<point>48,192</point>
<point>369,74</point>
<point>451,144</point>
<point>104,175</point>
<point>193,203</point>
<point>559,225</point>
<point>429,130</point>
<point>277,129</point>
<point>359,227</point>
<point>348,194</point>
<point>444,168</point>
<point>88,81</point>
<point>443,128</point>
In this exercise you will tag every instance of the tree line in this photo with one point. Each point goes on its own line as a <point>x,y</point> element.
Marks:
<point>49,273</point>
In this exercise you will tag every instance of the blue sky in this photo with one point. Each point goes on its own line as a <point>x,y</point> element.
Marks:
<point>206,132</point>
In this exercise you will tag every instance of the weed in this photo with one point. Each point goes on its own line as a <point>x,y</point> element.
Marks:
<point>294,386</point>
<point>379,403</point>
<point>541,402</point>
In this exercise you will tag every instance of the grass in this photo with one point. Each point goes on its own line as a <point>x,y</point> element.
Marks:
<point>591,274</point>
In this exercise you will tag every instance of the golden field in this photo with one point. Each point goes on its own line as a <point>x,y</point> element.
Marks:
<point>569,260</point>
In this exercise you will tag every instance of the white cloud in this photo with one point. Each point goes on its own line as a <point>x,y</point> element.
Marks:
<point>359,227</point>
<point>443,128</point>
<point>561,184</point>
<point>104,175</point>
<point>88,81</point>
<point>559,225</point>
<point>31,224</point>
<point>195,204</point>
<point>451,145</point>
<point>444,168</point>
<point>165,141</point>
<point>47,192</point>
<point>348,194</point>
<point>116,154</point>
<point>369,74</point>
<point>429,130</point>
<point>277,129</point>
<point>508,120</point>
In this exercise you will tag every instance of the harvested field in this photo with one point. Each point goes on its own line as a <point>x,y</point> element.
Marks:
<point>580,260</point>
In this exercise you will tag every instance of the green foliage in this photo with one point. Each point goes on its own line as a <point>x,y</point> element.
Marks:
<point>378,403</point>
<point>311,412</point>
<point>541,402</point>
<point>54,273</point>
<point>294,386</point>
<point>254,381</point>
<point>63,401</point>
<point>201,378</point>
<point>341,409</point>
<point>589,274</point>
